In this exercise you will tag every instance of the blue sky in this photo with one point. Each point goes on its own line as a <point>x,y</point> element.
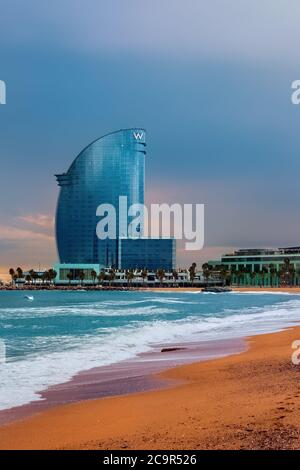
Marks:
<point>209,80</point>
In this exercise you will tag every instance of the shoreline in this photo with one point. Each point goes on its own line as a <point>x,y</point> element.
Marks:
<point>246,400</point>
<point>255,289</point>
<point>138,374</point>
<point>88,288</point>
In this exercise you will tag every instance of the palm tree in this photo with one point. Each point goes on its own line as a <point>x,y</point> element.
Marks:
<point>192,271</point>
<point>33,275</point>
<point>175,276</point>
<point>298,275</point>
<point>69,277</point>
<point>206,268</point>
<point>93,275</point>
<point>287,262</point>
<point>19,272</point>
<point>276,277</point>
<point>192,276</point>
<point>45,276</point>
<point>291,275</point>
<point>286,269</point>
<point>258,277</point>
<point>160,274</point>
<point>239,275</point>
<point>252,276</point>
<point>101,276</point>
<point>81,276</point>
<point>12,274</point>
<point>229,277</point>
<point>225,274</point>
<point>264,271</point>
<point>28,278</point>
<point>273,273</point>
<point>192,268</point>
<point>129,276</point>
<point>206,274</point>
<point>112,276</point>
<point>281,275</point>
<point>144,275</point>
<point>52,275</point>
<point>49,279</point>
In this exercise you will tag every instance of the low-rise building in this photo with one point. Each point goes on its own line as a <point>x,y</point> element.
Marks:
<point>261,266</point>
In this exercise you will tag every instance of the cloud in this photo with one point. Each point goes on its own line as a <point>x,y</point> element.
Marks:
<point>40,220</point>
<point>10,233</point>
<point>29,227</point>
<point>26,247</point>
<point>225,133</point>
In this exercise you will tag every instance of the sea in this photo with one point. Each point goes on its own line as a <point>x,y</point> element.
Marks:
<point>47,337</point>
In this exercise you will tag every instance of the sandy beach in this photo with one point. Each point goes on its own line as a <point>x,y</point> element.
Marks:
<point>138,374</point>
<point>249,400</point>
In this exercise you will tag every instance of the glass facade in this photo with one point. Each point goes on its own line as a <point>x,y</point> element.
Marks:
<point>109,167</point>
<point>76,274</point>
<point>151,254</point>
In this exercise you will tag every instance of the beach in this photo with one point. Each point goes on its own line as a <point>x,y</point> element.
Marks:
<point>247,400</point>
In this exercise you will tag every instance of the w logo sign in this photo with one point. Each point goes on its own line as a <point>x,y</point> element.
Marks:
<point>2,92</point>
<point>138,135</point>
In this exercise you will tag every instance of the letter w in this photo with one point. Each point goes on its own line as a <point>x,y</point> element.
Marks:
<point>138,135</point>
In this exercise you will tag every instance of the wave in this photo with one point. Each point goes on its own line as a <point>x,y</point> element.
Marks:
<point>81,310</point>
<point>110,345</point>
<point>263,292</point>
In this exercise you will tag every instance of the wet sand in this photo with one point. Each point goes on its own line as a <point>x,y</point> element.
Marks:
<point>250,400</point>
<point>134,375</point>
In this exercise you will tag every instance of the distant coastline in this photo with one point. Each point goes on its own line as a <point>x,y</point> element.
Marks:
<point>166,288</point>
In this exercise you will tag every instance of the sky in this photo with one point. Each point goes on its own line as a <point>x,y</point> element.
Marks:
<point>210,80</point>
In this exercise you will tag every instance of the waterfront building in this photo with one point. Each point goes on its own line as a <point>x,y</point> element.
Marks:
<point>110,167</point>
<point>75,275</point>
<point>261,266</point>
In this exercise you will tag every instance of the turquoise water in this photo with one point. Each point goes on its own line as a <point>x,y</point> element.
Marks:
<point>57,334</point>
